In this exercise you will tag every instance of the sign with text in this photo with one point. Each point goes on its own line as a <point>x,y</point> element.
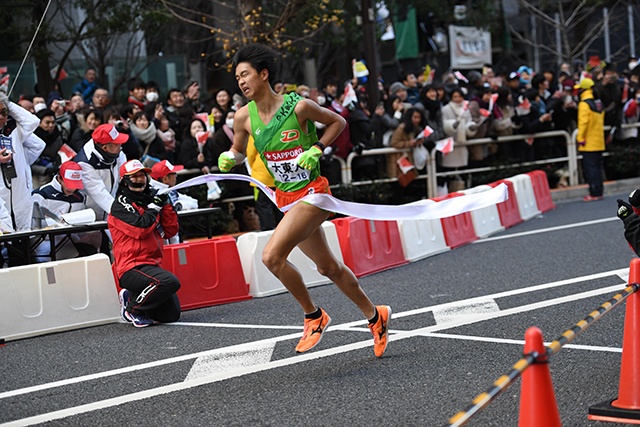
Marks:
<point>470,47</point>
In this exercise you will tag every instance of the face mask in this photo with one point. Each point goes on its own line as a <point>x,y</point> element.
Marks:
<point>108,157</point>
<point>321,100</point>
<point>127,180</point>
<point>152,96</point>
<point>39,107</point>
<point>229,123</point>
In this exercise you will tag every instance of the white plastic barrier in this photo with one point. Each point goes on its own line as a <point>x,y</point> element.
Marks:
<point>486,221</point>
<point>421,238</point>
<point>261,282</point>
<point>523,187</point>
<point>57,296</point>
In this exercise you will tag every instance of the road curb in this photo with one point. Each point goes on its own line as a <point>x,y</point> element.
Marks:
<point>579,191</point>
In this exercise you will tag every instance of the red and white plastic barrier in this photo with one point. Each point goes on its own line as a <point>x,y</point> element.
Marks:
<point>262,282</point>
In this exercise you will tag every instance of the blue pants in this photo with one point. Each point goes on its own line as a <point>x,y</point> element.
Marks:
<point>593,170</point>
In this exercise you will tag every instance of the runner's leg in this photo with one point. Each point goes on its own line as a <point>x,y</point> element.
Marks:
<point>296,226</point>
<point>317,249</point>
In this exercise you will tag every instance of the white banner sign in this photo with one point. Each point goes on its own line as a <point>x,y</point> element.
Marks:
<point>470,47</point>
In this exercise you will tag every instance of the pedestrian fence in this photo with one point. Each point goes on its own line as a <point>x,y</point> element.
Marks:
<point>537,398</point>
<point>431,174</point>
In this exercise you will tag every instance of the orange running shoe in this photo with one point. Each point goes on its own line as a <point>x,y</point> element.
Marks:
<point>313,330</point>
<point>380,330</point>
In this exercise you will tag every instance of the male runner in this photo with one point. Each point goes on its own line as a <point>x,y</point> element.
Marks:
<point>286,140</point>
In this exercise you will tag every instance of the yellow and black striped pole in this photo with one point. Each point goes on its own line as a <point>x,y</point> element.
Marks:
<point>501,384</point>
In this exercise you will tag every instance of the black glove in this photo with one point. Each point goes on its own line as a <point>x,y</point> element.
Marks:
<point>634,198</point>
<point>624,209</point>
<point>161,199</point>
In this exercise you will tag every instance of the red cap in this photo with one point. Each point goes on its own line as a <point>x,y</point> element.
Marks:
<point>108,134</point>
<point>164,168</point>
<point>71,174</point>
<point>131,167</point>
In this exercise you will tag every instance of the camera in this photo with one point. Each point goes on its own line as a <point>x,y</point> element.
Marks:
<point>62,103</point>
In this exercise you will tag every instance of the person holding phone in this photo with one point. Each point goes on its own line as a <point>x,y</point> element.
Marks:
<point>19,148</point>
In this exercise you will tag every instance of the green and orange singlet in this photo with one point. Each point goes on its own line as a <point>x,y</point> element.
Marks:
<point>281,141</point>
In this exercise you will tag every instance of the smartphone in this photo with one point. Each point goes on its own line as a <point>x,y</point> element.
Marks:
<point>5,142</point>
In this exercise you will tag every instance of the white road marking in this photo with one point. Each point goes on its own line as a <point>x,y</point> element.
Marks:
<point>546,230</point>
<point>515,310</point>
<point>454,313</point>
<point>247,347</point>
<point>234,326</point>
<point>518,342</point>
<point>208,365</point>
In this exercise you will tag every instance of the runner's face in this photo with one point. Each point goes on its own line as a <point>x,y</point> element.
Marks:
<point>249,80</point>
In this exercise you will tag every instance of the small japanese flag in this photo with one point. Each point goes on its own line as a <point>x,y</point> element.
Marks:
<point>425,132</point>
<point>349,96</point>
<point>66,153</point>
<point>405,164</point>
<point>445,146</point>
<point>525,103</point>
<point>492,101</point>
<point>201,139</point>
<point>460,76</point>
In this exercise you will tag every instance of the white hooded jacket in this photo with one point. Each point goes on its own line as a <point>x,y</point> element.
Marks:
<point>100,178</point>
<point>16,192</point>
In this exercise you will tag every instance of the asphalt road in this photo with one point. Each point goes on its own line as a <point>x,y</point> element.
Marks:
<point>459,323</point>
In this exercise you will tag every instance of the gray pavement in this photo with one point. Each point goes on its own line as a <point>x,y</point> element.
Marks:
<point>459,322</point>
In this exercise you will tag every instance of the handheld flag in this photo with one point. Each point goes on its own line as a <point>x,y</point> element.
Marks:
<point>445,146</point>
<point>425,132</point>
<point>492,101</point>
<point>460,76</point>
<point>201,139</point>
<point>349,95</point>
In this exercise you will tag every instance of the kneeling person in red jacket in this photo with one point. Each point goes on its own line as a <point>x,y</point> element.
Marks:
<point>139,222</point>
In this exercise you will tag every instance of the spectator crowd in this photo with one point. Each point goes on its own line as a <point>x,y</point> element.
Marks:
<point>62,154</point>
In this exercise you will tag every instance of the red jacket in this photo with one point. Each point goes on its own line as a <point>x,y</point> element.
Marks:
<point>136,235</point>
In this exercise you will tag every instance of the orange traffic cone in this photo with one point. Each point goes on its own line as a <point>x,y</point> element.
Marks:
<point>626,408</point>
<point>537,399</point>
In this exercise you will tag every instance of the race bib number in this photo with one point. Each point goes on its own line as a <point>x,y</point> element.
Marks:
<point>284,167</point>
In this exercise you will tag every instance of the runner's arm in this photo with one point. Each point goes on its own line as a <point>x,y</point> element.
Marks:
<point>309,110</point>
<point>241,132</point>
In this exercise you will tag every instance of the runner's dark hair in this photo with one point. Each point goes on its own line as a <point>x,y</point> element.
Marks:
<point>260,57</point>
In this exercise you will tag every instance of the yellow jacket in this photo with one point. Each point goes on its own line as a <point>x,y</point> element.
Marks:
<point>590,123</point>
<point>258,169</point>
